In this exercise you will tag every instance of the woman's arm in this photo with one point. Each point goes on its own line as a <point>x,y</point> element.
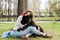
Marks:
<point>18,25</point>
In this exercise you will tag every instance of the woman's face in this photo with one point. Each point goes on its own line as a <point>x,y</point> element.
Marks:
<point>27,14</point>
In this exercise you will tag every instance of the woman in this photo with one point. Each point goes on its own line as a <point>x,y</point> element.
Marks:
<point>25,27</point>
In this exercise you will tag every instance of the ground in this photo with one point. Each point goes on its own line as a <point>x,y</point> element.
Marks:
<point>51,27</point>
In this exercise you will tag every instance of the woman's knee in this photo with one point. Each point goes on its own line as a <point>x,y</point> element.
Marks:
<point>31,27</point>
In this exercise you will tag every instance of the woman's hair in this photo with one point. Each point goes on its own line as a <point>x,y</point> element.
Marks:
<point>31,14</point>
<point>27,19</point>
<point>31,23</point>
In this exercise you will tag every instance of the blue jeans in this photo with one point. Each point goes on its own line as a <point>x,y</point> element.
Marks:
<point>30,30</point>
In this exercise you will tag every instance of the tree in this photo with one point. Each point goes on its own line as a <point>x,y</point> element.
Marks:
<point>22,6</point>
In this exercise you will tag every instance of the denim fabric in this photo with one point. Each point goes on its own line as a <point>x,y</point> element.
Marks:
<point>30,30</point>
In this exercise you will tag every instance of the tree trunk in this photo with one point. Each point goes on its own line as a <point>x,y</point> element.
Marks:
<point>22,6</point>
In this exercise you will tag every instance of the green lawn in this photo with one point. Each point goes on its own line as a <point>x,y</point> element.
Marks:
<point>47,18</point>
<point>51,27</point>
<point>36,18</point>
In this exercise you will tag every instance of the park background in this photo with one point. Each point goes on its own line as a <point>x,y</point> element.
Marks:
<point>46,14</point>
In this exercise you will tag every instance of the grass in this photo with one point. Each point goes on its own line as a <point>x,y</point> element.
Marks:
<point>36,18</point>
<point>47,18</point>
<point>51,27</point>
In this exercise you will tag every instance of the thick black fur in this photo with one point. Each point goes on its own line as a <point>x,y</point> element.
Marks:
<point>25,20</point>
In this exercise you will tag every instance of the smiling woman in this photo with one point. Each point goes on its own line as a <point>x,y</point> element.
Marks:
<point>26,28</point>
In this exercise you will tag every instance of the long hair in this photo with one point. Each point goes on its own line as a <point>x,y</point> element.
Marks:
<point>32,23</point>
<point>27,19</point>
<point>31,14</point>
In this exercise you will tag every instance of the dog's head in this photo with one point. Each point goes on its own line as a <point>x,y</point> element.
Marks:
<point>27,17</point>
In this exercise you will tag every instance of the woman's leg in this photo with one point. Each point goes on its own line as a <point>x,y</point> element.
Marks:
<point>35,31</point>
<point>21,33</point>
<point>28,30</point>
<point>16,33</point>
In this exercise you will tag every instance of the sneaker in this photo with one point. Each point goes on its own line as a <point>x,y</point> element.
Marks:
<point>6,34</point>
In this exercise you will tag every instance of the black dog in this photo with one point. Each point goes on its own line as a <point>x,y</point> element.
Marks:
<point>25,20</point>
